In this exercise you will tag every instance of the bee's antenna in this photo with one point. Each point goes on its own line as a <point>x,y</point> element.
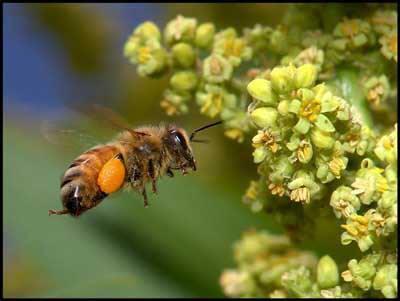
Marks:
<point>203,128</point>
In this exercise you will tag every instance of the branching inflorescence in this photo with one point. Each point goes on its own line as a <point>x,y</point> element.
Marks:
<point>318,94</point>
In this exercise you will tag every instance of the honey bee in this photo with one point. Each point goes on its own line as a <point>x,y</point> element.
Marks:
<point>137,156</point>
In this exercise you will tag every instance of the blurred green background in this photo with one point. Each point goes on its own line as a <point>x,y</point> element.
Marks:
<point>59,55</point>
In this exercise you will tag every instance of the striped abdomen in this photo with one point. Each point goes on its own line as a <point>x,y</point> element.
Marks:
<point>79,189</point>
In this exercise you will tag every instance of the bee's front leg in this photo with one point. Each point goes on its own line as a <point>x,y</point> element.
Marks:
<point>183,168</point>
<point>144,194</point>
<point>151,173</point>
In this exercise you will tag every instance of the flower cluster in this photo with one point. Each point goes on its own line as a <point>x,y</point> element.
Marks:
<point>269,266</point>
<point>203,63</point>
<point>307,126</point>
<point>317,93</point>
<point>206,65</point>
<point>262,259</point>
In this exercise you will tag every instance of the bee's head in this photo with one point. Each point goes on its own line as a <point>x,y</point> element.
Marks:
<point>178,145</point>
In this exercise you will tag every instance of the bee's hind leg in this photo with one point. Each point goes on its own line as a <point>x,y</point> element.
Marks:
<point>58,212</point>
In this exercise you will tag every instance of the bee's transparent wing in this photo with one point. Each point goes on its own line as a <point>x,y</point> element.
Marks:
<point>94,124</point>
<point>67,138</point>
<point>104,116</point>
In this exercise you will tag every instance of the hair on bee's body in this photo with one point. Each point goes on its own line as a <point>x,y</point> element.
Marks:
<point>133,159</point>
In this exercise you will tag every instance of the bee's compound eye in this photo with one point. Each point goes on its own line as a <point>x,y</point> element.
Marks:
<point>179,139</point>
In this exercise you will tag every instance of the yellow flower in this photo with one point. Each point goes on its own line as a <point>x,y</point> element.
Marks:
<point>305,151</point>
<point>350,27</point>
<point>266,138</point>
<point>276,189</point>
<point>144,54</point>
<point>358,227</point>
<point>170,108</point>
<point>235,134</point>
<point>310,109</point>
<point>252,191</point>
<point>375,94</point>
<point>336,165</point>
<point>213,105</point>
<point>389,46</point>
<point>301,194</point>
<point>233,47</point>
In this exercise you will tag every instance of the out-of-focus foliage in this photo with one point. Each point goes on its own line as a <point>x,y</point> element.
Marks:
<point>122,249</point>
<point>318,93</point>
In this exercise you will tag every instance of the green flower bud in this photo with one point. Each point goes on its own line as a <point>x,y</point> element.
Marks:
<point>214,99</point>
<point>305,76</point>
<point>148,30</point>
<point>386,148</point>
<point>180,29</point>
<point>360,40</point>
<point>387,200</point>
<point>175,103</point>
<point>183,55</point>
<point>305,94</point>
<point>205,35</point>
<point>259,154</point>
<point>261,89</point>
<point>361,273</point>
<point>389,45</point>
<point>302,126</point>
<point>386,280</point>
<point>339,44</point>
<point>322,139</point>
<point>322,171</point>
<point>293,143</point>
<point>294,106</point>
<point>324,124</point>
<point>282,79</point>
<point>227,44</point>
<point>303,179</point>
<point>154,64</point>
<point>237,284</point>
<point>184,81</point>
<point>298,281</point>
<point>327,272</point>
<point>282,169</point>
<point>264,117</point>
<point>365,243</point>
<point>217,69</point>
<point>278,294</point>
<point>283,107</point>
<point>255,243</point>
<point>279,41</point>
<point>344,202</point>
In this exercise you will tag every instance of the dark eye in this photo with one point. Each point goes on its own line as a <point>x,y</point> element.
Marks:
<point>179,139</point>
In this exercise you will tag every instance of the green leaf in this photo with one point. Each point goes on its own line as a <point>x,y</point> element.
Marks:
<point>348,82</point>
